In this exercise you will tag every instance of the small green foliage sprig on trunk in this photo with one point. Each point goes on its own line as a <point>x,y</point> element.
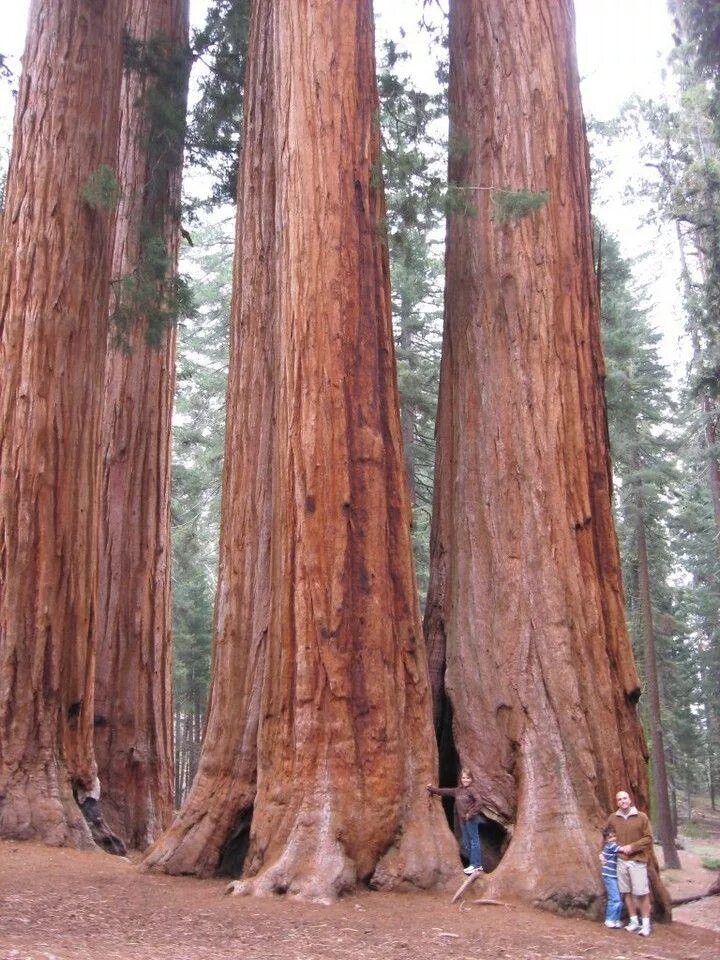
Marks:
<point>516,204</point>
<point>101,190</point>
<point>152,292</point>
<point>508,205</point>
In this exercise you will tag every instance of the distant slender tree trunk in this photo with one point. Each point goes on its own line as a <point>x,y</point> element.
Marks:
<point>212,826</point>
<point>54,286</point>
<point>710,414</point>
<point>525,620</point>
<point>133,682</point>
<point>663,815</point>
<point>345,743</point>
<point>407,407</point>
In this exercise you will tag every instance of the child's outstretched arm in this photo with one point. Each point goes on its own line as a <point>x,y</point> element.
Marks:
<point>442,791</point>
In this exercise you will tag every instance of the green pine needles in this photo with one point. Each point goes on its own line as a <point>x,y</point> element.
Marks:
<point>152,293</point>
<point>508,205</point>
<point>516,204</point>
<point>101,190</point>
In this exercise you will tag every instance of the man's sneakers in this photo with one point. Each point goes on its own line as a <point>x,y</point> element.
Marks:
<point>635,926</point>
<point>468,870</point>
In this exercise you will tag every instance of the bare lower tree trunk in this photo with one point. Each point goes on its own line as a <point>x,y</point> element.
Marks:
<point>220,803</point>
<point>54,285</point>
<point>344,744</point>
<point>408,412</point>
<point>133,683</point>
<point>663,816</point>
<point>710,414</point>
<point>525,620</point>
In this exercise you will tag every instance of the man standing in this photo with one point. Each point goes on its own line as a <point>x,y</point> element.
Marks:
<point>634,838</point>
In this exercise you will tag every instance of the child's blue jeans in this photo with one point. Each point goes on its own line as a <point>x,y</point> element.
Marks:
<point>471,840</point>
<point>613,911</point>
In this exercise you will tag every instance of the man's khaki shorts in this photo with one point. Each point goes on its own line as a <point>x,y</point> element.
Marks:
<point>632,877</point>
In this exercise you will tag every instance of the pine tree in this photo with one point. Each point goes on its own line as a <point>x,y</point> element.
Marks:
<point>697,550</point>
<point>197,465</point>
<point>415,192</point>
<point>639,415</point>
<point>216,122</point>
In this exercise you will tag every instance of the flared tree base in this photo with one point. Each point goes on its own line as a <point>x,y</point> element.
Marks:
<point>317,869</point>
<point>41,806</point>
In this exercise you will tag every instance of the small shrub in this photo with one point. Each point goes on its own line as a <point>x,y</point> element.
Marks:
<point>696,831</point>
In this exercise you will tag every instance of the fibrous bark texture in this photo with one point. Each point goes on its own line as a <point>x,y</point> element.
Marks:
<point>133,739</point>
<point>345,740</point>
<point>525,622</point>
<point>213,824</point>
<point>54,288</point>
<point>344,732</point>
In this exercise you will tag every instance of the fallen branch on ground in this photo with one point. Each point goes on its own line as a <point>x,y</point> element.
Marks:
<point>465,884</point>
<point>493,903</point>
<point>713,891</point>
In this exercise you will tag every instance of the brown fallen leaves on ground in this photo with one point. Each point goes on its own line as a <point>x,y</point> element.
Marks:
<point>67,905</point>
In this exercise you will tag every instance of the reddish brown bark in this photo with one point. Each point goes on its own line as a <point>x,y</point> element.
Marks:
<point>525,621</point>
<point>133,738</point>
<point>344,742</point>
<point>214,820</point>
<point>54,285</point>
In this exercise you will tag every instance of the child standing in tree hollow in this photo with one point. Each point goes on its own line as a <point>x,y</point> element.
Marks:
<point>467,807</point>
<point>608,859</point>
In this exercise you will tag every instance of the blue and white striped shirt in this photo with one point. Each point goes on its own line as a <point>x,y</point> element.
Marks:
<point>609,859</point>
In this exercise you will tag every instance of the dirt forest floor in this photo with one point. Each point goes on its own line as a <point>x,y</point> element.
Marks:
<point>69,905</point>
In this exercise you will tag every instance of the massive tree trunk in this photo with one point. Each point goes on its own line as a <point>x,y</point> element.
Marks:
<point>344,743</point>
<point>54,285</point>
<point>525,621</point>
<point>133,738</point>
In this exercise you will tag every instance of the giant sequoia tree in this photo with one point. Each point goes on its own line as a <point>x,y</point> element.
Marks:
<point>54,274</point>
<point>319,676</point>
<point>525,621</point>
<point>133,679</point>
